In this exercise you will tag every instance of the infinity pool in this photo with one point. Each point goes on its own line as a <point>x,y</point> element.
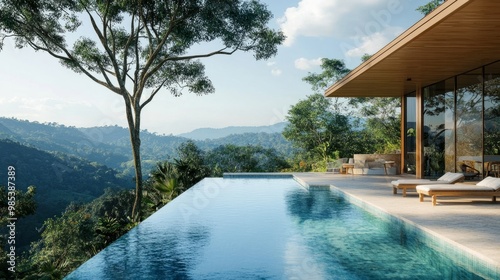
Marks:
<point>267,229</point>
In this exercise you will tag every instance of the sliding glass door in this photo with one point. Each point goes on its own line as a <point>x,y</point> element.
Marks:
<point>469,123</point>
<point>439,123</point>
<point>492,118</point>
<point>410,128</point>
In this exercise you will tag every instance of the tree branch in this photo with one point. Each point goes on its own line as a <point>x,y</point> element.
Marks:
<point>219,52</point>
<point>127,45</point>
<point>148,32</point>
<point>145,74</point>
<point>104,43</point>
<point>153,93</point>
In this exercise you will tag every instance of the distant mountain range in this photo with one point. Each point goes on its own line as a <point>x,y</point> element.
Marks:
<point>216,133</point>
<point>110,145</point>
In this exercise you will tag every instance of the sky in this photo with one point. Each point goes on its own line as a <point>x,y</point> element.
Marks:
<point>35,87</point>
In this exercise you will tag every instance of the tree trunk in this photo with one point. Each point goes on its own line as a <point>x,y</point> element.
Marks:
<point>134,121</point>
<point>136,147</point>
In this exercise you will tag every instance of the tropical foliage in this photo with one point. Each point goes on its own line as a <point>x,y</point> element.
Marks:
<point>383,121</point>
<point>81,232</point>
<point>316,128</point>
<point>324,129</point>
<point>25,205</point>
<point>232,158</point>
<point>429,7</point>
<point>170,179</point>
<point>332,71</point>
<point>60,179</point>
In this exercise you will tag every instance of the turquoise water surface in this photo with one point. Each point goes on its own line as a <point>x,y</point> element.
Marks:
<point>266,229</point>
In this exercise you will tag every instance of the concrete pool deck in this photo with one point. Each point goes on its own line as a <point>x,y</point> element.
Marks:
<point>471,223</point>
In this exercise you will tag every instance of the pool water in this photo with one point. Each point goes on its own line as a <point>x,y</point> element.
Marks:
<point>266,229</point>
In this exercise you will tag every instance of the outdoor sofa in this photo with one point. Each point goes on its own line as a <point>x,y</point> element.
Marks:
<point>490,186</point>
<point>404,184</point>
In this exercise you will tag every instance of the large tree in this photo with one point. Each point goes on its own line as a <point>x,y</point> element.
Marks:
<point>333,70</point>
<point>316,128</point>
<point>137,48</point>
<point>382,121</point>
<point>381,114</point>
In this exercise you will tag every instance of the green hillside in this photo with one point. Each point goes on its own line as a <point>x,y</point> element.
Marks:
<point>110,145</point>
<point>216,133</point>
<point>59,179</point>
<point>58,138</point>
<point>275,141</point>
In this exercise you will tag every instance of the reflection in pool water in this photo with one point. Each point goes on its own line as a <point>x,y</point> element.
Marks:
<point>266,229</point>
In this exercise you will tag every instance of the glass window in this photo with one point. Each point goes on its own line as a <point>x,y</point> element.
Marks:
<point>439,142</point>
<point>469,124</point>
<point>491,117</point>
<point>411,135</point>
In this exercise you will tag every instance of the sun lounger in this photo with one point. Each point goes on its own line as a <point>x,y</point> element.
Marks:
<point>489,187</point>
<point>404,184</point>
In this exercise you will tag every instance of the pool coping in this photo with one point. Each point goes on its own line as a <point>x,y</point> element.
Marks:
<point>253,175</point>
<point>463,255</point>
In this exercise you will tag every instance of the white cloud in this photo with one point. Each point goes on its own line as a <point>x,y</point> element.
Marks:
<point>374,42</point>
<point>71,112</point>
<point>276,72</point>
<point>306,64</point>
<point>309,18</point>
<point>339,18</point>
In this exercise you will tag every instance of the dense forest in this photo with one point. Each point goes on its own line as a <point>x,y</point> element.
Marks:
<point>59,180</point>
<point>110,145</point>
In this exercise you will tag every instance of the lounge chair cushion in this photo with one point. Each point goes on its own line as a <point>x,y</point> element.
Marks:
<point>411,181</point>
<point>455,187</point>
<point>428,183</point>
<point>491,182</point>
<point>487,184</point>
<point>451,177</point>
<point>444,177</point>
<point>447,178</point>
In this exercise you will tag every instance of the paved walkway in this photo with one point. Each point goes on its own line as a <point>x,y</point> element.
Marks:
<point>472,223</point>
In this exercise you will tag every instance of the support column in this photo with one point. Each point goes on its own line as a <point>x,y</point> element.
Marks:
<point>419,153</point>
<point>403,135</point>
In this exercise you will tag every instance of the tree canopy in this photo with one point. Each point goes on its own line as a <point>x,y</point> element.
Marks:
<point>232,158</point>
<point>332,71</point>
<point>137,48</point>
<point>429,7</point>
<point>383,121</point>
<point>315,127</point>
<point>25,205</point>
<point>320,127</point>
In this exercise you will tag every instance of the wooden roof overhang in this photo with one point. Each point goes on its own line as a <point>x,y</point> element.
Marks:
<point>458,36</point>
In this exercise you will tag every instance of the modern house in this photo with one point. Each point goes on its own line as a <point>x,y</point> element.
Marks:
<point>446,70</point>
